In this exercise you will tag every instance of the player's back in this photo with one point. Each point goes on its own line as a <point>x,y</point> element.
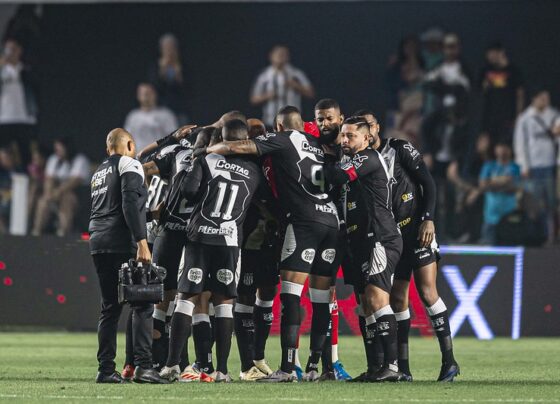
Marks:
<point>227,185</point>
<point>298,159</point>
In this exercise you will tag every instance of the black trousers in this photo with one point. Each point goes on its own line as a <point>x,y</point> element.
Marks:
<point>107,267</point>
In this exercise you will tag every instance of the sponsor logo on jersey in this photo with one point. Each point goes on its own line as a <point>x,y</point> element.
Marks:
<point>175,226</point>
<point>404,222</point>
<point>225,276</point>
<point>351,205</point>
<point>227,231</point>
<point>231,167</point>
<point>99,177</point>
<point>328,255</point>
<point>407,197</point>
<point>266,136</point>
<point>195,275</point>
<point>248,279</point>
<point>413,152</point>
<point>325,209</point>
<point>308,255</point>
<point>305,146</point>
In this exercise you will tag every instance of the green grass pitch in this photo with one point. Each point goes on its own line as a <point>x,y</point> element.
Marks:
<point>60,367</point>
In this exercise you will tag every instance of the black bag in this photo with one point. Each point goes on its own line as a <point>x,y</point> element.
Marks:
<point>141,284</point>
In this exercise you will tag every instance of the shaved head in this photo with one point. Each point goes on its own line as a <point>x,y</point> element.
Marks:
<point>119,141</point>
<point>288,118</point>
<point>256,127</point>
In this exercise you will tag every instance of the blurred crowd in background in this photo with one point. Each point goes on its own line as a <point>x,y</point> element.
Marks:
<point>495,160</point>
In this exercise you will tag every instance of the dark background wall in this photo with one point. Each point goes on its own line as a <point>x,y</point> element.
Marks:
<point>94,55</point>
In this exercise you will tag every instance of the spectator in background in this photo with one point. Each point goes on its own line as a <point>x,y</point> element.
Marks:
<point>7,169</point>
<point>404,79</point>
<point>18,100</point>
<point>36,173</point>
<point>149,122</point>
<point>450,81</point>
<point>432,47</point>
<point>501,84</point>
<point>535,146</point>
<point>279,85</point>
<point>65,171</point>
<point>498,182</point>
<point>168,78</point>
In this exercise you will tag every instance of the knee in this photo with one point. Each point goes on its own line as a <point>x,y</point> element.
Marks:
<point>399,302</point>
<point>428,294</point>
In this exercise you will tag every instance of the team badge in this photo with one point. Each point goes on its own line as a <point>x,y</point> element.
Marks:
<point>195,275</point>
<point>329,255</point>
<point>248,279</point>
<point>225,276</point>
<point>308,255</point>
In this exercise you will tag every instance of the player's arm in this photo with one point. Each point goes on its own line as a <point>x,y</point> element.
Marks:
<point>236,147</point>
<point>171,139</point>
<point>132,182</point>
<point>412,162</point>
<point>339,173</point>
<point>190,183</point>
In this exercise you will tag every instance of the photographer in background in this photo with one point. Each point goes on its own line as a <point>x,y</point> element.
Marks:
<point>118,230</point>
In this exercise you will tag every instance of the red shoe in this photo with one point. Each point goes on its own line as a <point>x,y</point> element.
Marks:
<point>208,378</point>
<point>128,372</point>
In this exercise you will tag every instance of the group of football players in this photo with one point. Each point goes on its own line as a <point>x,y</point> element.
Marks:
<point>238,209</point>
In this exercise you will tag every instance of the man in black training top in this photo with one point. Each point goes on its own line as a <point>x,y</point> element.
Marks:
<point>117,233</point>
<point>414,200</point>
<point>311,234</point>
<point>222,188</point>
<point>376,244</point>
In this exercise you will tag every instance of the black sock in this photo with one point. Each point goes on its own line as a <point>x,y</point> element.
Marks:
<point>440,322</point>
<point>326,356</point>
<point>263,318</point>
<point>319,329</point>
<point>223,333</point>
<point>403,329</point>
<point>369,345</point>
<point>180,330</point>
<point>245,335</point>
<point>289,325</point>
<point>202,336</point>
<point>129,360</point>
<point>387,331</point>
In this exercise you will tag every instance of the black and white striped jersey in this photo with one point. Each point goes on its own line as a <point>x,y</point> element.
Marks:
<point>298,160</point>
<point>222,188</point>
<point>118,206</point>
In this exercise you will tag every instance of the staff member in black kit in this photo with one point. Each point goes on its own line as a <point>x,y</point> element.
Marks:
<point>117,231</point>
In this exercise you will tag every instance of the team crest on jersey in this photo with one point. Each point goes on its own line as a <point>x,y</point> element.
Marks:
<point>248,279</point>
<point>329,255</point>
<point>195,275</point>
<point>359,159</point>
<point>351,205</point>
<point>225,276</point>
<point>308,255</point>
<point>407,197</point>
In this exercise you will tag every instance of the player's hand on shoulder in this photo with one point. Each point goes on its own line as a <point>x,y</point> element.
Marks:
<point>183,131</point>
<point>201,151</point>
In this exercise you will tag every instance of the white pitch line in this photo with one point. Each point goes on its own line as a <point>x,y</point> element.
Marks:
<point>288,399</point>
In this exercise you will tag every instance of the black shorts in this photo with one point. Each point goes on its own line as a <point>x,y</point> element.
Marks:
<point>372,263</point>
<point>259,268</point>
<point>413,256</point>
<point>311,248</point>
<point>210,267</point>
<point>167,253</point>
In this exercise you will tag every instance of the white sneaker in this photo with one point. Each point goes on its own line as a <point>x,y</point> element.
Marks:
<point>170,373</point>
<point>223,378</point>
<point>190,374</point>
<point>251,375</point>
<point>263,367</point>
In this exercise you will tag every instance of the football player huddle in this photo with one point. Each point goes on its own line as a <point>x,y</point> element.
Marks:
<point>236,209</point>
